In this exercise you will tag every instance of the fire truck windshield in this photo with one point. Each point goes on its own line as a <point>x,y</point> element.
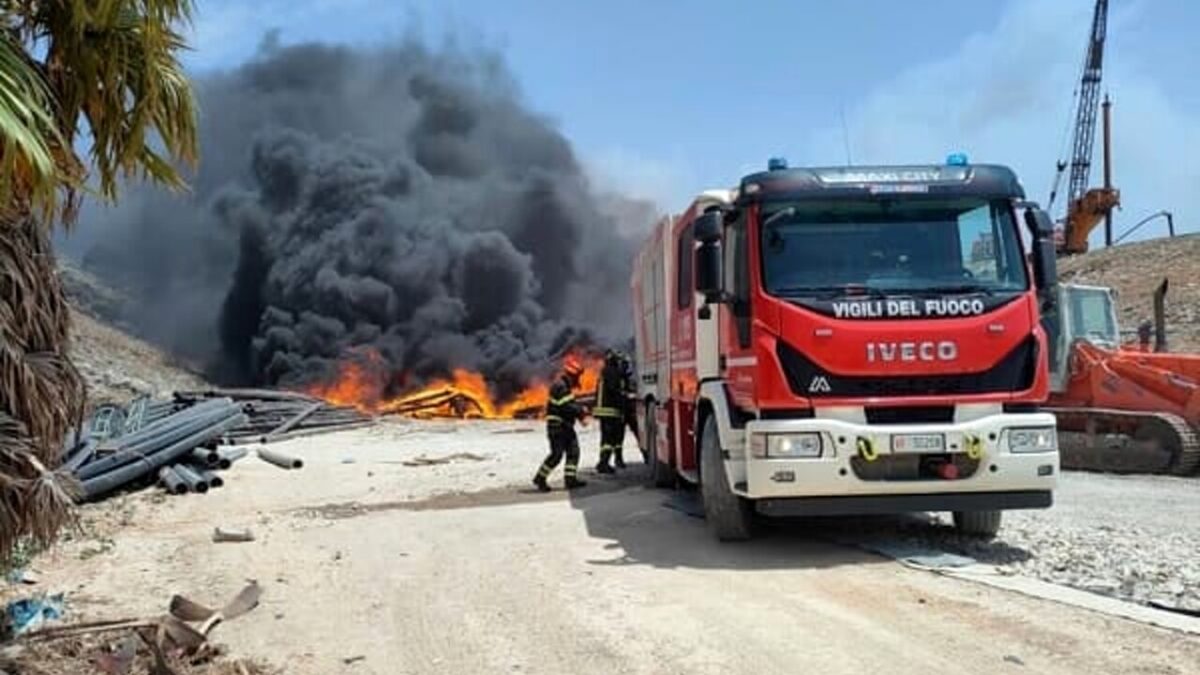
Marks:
<point>952,245</point>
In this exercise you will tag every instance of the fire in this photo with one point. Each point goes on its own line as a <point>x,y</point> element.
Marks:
<point>362,379</point>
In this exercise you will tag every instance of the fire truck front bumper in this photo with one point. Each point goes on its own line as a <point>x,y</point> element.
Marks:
<point>819,466</point>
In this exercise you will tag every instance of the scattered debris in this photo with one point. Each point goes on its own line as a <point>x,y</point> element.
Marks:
<point>279,459</point>
<point>433,461</point>
<point>23,576</point>
<point>176,643</point>
<point>349,660</point>
<point>29,614</point>
<point>221,534</point>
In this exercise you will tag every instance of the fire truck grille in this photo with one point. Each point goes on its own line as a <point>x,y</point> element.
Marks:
<point>1015,372</point>
<point>927,414</point>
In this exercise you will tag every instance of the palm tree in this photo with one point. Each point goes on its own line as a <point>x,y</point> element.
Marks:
<point>104,75</point>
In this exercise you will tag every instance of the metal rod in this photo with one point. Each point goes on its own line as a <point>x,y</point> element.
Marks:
<point>1143,221</point>
<point>1108,219</point>
<point>294,420</point>
<point>243,394</point>
<point>82,456</point>
<point>279,459</point>
<point>1160,317</point>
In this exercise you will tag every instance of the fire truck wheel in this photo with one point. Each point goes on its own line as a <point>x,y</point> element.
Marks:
<point>729,516</point>
<point>977,523</point>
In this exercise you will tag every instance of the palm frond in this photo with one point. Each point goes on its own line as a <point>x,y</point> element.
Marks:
<point>126,79</point>
<point>29,135</point>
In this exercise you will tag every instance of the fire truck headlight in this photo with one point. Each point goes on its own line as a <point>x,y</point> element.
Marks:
<point>1036,439</point>
<point>794,445</point>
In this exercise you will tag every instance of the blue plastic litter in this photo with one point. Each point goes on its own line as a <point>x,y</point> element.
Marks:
<point>30,614</point>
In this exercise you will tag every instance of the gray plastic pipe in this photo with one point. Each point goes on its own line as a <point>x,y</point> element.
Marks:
<point>195,481</point>
<point>171,481</point>
<point>98,485</point>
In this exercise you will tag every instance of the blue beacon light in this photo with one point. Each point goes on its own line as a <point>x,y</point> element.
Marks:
<point>956,159</point>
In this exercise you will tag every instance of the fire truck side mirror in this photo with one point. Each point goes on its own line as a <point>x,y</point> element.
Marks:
<point>1045,261</point>
<point>707,227</point>
<point>707,230</point>
<point>708,271</point>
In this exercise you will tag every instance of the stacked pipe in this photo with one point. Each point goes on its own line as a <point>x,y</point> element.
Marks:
<point>279,415</point>
<point>164,438</point>
<point>182,443</point>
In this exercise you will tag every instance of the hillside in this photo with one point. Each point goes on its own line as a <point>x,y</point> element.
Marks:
<point>1135,270</point>
<point>115,365</point>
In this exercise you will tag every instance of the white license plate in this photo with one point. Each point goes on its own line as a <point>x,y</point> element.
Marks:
<point>919,443</point>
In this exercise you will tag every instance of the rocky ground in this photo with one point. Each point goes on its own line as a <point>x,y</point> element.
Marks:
<point>1131,537</point>
<point>118,367</point>
<point>1135,270</point>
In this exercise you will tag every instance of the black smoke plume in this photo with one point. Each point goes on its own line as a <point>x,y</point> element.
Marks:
<point>397,201</point>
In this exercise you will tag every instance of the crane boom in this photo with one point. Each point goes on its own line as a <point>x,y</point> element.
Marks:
<point>1085,208</point>
<point>1089,103</point>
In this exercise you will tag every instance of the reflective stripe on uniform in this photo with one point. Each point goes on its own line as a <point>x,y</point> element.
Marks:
<point>606,412</point>
<point>553,418</point>
<point>570,470</point>
<point>544,471</point>
<point>564,400</point>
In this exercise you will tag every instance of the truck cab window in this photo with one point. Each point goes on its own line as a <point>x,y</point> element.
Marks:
<point>737,277</point>
<point>683,277</point>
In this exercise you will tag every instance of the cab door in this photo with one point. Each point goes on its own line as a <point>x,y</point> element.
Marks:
<point>685,383</point>
<point>737,363</point>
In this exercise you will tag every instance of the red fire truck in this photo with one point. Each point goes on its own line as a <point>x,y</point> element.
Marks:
<point>824,341</point>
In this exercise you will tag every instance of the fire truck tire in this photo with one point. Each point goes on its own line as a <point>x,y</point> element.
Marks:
<point>984,524</point>
<point>729,517</point>
<point>661,474</point>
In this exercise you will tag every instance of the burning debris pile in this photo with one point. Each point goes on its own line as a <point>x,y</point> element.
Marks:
<point>464,394</point>
<point>396,216</point>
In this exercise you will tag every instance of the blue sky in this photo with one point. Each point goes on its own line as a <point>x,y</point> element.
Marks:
<point>663,99</point>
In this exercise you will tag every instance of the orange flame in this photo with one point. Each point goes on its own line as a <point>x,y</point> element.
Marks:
<point>362,379</point>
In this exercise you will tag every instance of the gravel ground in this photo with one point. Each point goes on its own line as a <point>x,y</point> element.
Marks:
<point>1131,537</point>
<point>1134,537</point>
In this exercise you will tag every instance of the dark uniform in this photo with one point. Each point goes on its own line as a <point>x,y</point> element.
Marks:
<point>561,414</point>
<point>631,402</point>
<point>610,410</point>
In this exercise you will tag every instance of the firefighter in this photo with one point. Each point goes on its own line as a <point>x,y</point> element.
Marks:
<point>610,410</point>
<point>631,403</point>
<point>562,411</point>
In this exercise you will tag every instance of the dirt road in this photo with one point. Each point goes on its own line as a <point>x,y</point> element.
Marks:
<point>372,565</point>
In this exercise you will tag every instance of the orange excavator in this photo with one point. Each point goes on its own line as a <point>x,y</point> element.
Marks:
<point>1127,408</point>
<point>1120,407</point>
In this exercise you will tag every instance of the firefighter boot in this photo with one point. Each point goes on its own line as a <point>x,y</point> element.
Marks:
<point>602,466</point>
<point>539,481</point>
<point>573,483</point>
<point>618,460</point>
